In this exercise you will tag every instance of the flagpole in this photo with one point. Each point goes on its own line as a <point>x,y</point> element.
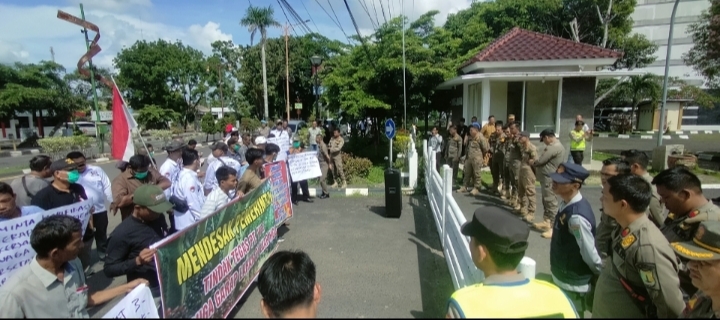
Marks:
<point>152,161</point>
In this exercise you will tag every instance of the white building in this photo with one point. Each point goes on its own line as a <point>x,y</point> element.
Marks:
<point>652,19</point>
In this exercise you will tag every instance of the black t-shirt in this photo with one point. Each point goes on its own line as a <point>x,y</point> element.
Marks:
<point>125,244</point>
<point>51,198</point>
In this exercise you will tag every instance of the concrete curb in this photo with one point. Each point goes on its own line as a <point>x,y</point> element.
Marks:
<point>649,135</point>
<point>20,153</point>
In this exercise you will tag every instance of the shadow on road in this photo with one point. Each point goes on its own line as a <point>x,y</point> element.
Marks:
<point>378,210</point>
<point>435,282</point>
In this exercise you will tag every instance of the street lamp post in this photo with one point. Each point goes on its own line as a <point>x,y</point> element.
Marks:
<point>661,130</point>
<point>220,80</point>
<point>316,61</point>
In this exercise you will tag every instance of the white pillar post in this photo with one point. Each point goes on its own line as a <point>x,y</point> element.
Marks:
<point>485,105</point>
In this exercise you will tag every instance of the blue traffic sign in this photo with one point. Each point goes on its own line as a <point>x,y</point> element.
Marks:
<point>390,128</point>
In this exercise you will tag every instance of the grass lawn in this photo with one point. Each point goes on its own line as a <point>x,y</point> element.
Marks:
<point>602,156</point>
<point>12,170</point>
<point>374,179</point>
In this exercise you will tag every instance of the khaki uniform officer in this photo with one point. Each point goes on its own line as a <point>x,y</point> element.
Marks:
<point>550,158</point>
<point>336,144</point>
<point>325,163</point>
<point>477,147</point>
<point>681,191</point>
<point>526,181</point>
<point>703,255</point>
<point>453,152</point>
<point>641,278</point>
<point>497,160</point>
<point>507,167</point>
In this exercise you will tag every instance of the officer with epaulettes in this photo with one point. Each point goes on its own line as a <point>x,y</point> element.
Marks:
<point>681,191</point>
<point>507,189</point>
<point>640,280</point>
<point>703,255</point>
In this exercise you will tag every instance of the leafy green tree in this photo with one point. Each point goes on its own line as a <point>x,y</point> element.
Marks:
<point>168,75</point>
<point>156,117</point>
<point>259,19</point>
<point>208,125</point>
<point>705,53</point>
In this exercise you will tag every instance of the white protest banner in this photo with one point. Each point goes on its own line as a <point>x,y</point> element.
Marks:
<point>304,165</point>
<point>138,304</point>
<point>15,249</point>
<point>284,143</point>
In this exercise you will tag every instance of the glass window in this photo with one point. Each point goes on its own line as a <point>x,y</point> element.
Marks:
<point>541,99</point>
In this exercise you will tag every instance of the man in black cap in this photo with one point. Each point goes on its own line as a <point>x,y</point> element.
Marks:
<point>498,241</point>
<point>63,191</point>
<point>550,158</point>
<point>574,260</point>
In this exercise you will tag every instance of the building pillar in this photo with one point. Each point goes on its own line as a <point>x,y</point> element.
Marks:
<point>559,105</point>
<point>485,104</point>
<point>466,102</point>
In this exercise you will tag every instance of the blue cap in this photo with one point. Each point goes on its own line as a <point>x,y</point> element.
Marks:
<point>476,125</point>
<point>263,121</point>
<point>569,173</point>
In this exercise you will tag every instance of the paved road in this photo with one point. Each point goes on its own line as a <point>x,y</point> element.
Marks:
<point>369,266</point>
<point>696,143</point>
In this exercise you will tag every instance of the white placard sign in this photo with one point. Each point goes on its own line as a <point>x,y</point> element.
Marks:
<point>138,304</point>
<point>304,165</point>
<point>284,143</point>
<point>15,249</point>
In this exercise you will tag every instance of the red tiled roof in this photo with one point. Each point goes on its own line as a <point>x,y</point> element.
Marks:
<point>524,45</point>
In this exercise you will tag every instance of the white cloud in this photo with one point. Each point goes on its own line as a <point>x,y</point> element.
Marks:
<point>31,42</point>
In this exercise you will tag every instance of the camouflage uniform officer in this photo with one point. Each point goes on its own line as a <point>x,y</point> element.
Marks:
<point>496,141</point>
<point>640,280</point>
<point>507,171</point>
<point>477,147</point>
<point>514,159</point>
<point>526,181</point>
<point>703,255</point>
<point>681,190</point>
<point>453,152</point>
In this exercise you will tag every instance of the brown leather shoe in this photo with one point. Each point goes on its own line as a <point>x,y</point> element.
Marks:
<point>543,226</point>
<point>474,192</point>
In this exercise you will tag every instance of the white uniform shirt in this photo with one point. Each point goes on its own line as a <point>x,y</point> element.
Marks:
<point>210,180</point>
<point>188,188</point>
<point>97,186</point>
<point>279,133</point>
<point>214,201</point>
<point>210,159</point>
<point>170,169</point>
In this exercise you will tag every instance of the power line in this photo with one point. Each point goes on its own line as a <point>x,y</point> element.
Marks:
<point>298,19</point>
<point>382,8</point>
<point>362,40</point>
<point>335,14</point>
<point>313,20</point>
<point>287,19</point>
<point>364,6</point>
<point>337,23</point>
<point>390,9</point>
<point>376,14</point>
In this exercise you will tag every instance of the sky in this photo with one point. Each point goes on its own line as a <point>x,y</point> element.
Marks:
<point>30,28</point>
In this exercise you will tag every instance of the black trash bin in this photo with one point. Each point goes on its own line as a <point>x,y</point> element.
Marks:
<point>393,193</point>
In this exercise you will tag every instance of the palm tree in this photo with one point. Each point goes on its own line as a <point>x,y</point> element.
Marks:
<point>639,89</point>
<point>260,19</point>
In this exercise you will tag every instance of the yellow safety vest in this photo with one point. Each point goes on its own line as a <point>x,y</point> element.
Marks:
<point>523,299</point>
<point>574,145</point>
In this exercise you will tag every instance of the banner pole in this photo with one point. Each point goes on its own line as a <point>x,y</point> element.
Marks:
<point>125,105</point>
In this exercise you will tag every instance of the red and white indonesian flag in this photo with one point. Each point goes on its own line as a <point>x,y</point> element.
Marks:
<point>123,122</point>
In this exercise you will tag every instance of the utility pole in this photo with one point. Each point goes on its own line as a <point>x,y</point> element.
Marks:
<point>52,54</point>
<point>101,142</point>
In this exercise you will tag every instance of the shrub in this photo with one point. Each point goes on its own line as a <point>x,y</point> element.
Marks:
<point>355,167</point>
<point>249,124</point>
<point>164,135</point>
<point>621,122</point>
<point>58,147</point>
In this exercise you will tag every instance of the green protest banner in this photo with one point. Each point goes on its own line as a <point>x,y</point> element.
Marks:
<point>205,269</point>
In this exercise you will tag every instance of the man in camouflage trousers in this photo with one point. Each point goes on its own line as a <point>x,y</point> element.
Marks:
<point>497,140</point>
<point>514,158</point>
<point>477,147</point>
<point>453,152</point>
<point>526,180</point>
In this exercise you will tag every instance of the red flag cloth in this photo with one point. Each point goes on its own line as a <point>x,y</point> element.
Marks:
<point>122,145</point>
